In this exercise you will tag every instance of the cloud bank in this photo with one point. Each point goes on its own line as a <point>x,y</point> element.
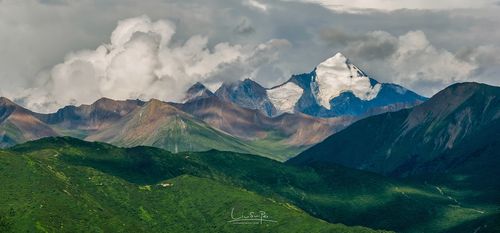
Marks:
<point>409,59</point>
<point>142,62</point>
<point>356,6</point>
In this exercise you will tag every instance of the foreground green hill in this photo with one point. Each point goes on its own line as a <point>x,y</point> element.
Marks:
<point>63,185</point>
<point>64,179</point>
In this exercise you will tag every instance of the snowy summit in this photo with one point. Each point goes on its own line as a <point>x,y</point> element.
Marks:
<point>337,75</point>
<point>336,87</point>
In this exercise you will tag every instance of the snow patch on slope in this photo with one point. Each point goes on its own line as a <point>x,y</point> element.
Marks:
<point>337,75</point>
<point>285,97</point>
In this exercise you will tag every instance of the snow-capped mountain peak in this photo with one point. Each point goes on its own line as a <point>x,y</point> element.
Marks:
<point>334,88</point>
<point>340,56</point>
<point>337,75</point>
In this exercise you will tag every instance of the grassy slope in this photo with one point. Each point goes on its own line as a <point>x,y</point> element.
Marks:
<point>474,182</point>
<point>84,187</point>
<point>353,197</point>
<point>336,194</point>
<point>10,134</point>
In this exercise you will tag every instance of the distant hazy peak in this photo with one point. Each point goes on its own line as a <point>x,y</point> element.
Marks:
<point>198,90</point>
<point>6,102</point>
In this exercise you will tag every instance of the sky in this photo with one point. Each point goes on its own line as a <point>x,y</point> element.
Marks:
<point>59,52</point>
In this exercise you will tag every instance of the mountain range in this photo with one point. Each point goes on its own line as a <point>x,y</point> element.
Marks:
<point>372,157</point>
<point>199,125</point>
<point>336,87</point>
<point>276,122</point>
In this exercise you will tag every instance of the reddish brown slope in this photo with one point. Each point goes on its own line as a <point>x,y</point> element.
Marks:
<point>18,124</point>
<point>293,129</point>
<point>97,116</point>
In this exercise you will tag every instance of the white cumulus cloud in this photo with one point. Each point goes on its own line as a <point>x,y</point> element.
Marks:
<point>354,6</point>
<point>256,4</point>
<point>409,59</point>
<point>141,61</point>
<point>417,61</point>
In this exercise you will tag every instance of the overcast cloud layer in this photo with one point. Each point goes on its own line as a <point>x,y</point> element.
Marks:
<point>59,52</point>
<point>388,5</point>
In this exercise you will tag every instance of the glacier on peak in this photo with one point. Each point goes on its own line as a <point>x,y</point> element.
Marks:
<point>285,97</point>
<point>337,75</point>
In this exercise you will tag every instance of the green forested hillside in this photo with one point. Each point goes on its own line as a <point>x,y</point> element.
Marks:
<point>84,187</point>
<point>79,184</point>
<point>434,137</point>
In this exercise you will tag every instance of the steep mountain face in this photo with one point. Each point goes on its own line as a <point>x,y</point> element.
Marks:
<point>457,126</point>
<point>247,94</point>
<point>335,88</point>
<point>18,124</point>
